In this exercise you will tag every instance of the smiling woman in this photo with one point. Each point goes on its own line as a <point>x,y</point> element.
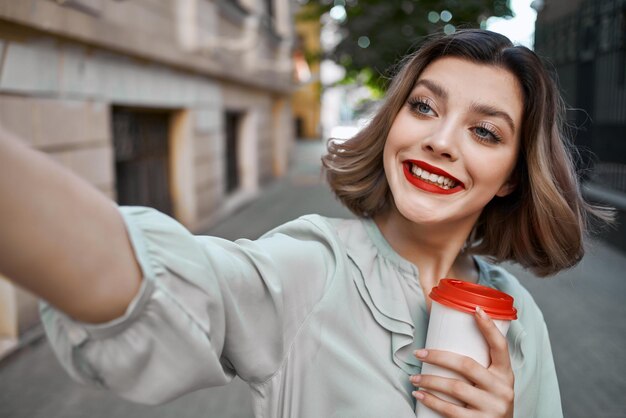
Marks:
<point>465,158</point>
<point>474,85</point>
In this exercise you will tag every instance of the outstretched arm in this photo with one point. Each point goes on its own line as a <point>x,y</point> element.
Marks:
<point>62,239</point>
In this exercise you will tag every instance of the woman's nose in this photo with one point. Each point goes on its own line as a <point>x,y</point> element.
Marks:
<point>441,144</point>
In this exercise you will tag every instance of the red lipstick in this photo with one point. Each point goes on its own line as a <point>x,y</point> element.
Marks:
<point>424,185</point>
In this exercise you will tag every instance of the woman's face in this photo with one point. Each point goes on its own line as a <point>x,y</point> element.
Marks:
<point>454,144</point>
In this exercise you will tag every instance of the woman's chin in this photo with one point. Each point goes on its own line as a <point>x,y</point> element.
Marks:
<point>423,216</point>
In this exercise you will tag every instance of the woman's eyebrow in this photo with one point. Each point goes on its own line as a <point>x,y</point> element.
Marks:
<point>434,87</point>
<point>489,110</point>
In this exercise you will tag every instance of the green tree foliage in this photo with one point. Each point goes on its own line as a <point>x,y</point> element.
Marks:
<point>375,34</point>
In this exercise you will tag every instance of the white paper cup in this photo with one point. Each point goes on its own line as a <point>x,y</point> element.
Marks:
<point>452,327</point>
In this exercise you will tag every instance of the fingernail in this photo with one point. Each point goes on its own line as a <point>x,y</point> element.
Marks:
<point>418,394</point>
<point>481,313</point>
<point>416,378</point>
<point>421,353</point>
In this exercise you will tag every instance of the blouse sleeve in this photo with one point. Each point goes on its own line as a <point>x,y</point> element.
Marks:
<point>548,394</point>
<point>539,394</point>
<point>207,309</point>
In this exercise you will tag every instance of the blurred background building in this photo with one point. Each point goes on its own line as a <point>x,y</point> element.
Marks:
<point>585,41</point>
<point>306,101</point>
<point>182,105</point>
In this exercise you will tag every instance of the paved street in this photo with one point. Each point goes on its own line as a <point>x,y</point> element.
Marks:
<point>585,309</point>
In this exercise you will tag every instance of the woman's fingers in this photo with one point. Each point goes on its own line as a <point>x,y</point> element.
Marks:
<point>444,408</point>
<point>489,390</point>
<point>465,366</point>
<point>498,345</point>
<point>462,391</point>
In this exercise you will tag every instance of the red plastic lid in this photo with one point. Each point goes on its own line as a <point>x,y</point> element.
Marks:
<point>465,296</point>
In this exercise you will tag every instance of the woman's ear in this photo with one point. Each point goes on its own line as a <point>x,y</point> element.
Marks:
<point>507,188</point>
<point>511,183</point>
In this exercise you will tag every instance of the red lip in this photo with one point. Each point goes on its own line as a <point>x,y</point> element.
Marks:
<point>421,184</point>
<point>433,169</point>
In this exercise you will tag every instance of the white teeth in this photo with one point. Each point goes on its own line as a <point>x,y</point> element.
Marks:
<point>444,182</point>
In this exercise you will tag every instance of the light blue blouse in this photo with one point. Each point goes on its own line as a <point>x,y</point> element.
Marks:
<point>320,316</point>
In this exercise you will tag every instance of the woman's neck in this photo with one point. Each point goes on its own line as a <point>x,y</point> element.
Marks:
<point>436,250</point>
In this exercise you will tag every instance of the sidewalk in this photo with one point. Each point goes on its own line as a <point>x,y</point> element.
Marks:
<point>585,309</point>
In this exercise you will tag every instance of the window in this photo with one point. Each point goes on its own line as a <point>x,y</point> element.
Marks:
<point>141,144</point>
<point>233,128</point>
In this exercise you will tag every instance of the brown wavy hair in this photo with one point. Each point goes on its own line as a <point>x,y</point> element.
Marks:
<point>542,223</point>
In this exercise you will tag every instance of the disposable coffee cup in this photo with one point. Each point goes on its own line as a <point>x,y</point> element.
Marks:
<point>452,327</point>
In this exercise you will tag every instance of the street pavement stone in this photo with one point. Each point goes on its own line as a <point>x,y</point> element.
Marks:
<point>584,307</point>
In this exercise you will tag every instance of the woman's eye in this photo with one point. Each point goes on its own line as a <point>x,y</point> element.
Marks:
<point>423,108</point>
<point>482,132</point>
<point>420,107</point>
<point>486,135</point>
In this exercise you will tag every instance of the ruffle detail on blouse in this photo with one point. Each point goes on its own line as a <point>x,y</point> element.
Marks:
<point>382,293</point>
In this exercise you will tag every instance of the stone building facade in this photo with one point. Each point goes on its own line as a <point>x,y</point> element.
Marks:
<point>183,105</point>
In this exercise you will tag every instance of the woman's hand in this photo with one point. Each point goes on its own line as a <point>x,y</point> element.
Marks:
<point>489,392</point>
